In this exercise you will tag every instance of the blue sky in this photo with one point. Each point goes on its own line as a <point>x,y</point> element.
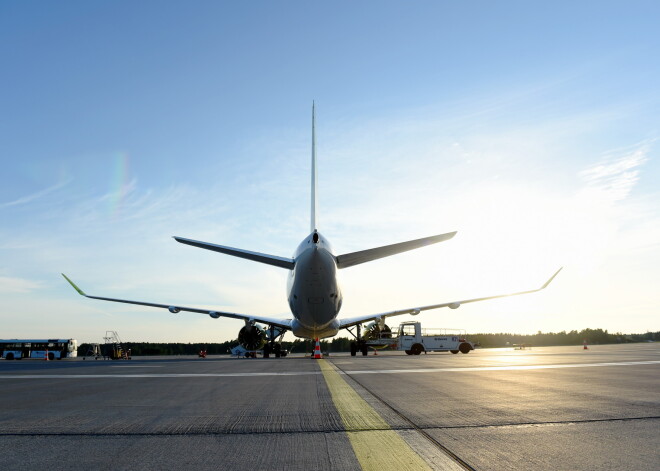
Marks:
<point>530,129</point>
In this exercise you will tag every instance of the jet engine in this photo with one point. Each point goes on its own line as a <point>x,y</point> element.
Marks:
<point>374,331</point>
<point>252,337</point>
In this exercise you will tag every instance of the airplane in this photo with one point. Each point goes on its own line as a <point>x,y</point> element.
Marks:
<point>313,292</point>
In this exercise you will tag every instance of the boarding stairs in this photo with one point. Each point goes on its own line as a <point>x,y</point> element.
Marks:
<point>114,348</point>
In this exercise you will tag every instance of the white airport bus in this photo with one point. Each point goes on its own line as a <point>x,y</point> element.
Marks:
<point>15,349</point>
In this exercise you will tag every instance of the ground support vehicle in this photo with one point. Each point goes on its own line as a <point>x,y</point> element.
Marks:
<point>51,349</point>
<point>413,339</point>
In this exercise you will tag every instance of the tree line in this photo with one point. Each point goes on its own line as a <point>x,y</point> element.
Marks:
<point>550,339</point>
<point>342,344</point>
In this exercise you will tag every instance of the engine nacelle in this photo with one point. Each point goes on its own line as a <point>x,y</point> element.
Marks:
<point>252,337</point>
<point>214,315</point>
<point>454,305</point>
<point>374,331</point>
<point>174,309</point>
<point>414,312</point>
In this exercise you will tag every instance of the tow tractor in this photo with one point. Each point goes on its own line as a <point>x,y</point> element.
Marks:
<point>413,339</point>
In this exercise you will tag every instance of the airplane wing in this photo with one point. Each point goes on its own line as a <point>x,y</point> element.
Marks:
<point>344,323</point>
<point>174,309</point>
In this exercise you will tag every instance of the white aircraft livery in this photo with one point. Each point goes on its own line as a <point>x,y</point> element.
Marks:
<point>313,293</point>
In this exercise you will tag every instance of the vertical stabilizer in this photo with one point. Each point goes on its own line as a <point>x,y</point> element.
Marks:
<point>314,180</point>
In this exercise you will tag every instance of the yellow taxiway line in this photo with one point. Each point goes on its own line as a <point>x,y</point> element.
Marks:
<point>376,445</point>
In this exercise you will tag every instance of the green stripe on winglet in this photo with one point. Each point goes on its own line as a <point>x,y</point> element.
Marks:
<point>74,285</point>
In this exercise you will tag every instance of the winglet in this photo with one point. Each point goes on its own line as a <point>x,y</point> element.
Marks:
<point>81,292</point>
<point>551,278</point>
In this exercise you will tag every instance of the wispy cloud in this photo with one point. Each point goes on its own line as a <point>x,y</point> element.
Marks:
<point>37,195</point>
<point>617,173</point>
<point>17,285</point>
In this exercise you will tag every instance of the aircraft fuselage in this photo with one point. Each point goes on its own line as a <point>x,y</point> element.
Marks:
<point>313,291</point>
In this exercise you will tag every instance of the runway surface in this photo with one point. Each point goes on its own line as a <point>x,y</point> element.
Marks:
<point>555,408</point>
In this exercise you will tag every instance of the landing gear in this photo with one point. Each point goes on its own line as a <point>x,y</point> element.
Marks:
<point>273,347</point>
<point>358,345</point>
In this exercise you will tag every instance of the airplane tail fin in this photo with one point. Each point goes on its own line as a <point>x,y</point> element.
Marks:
<point>313,225</point>
<point>356,258</point>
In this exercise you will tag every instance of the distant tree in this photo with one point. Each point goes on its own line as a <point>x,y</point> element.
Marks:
<point>342,344</point>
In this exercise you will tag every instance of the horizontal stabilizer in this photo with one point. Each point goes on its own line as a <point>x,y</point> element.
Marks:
<point>281,262</point>
<point>356,258</point>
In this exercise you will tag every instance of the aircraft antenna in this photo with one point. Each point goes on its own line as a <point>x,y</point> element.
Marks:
<point>314,178</point>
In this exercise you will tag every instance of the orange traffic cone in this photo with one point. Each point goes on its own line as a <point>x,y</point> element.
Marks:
<point>375,352</point>
<point>585,345</point>
<point>317,349</point>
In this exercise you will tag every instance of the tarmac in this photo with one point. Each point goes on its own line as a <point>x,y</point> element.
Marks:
<point>553,408</point>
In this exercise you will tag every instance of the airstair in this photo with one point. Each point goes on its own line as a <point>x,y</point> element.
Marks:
<point>114,348</point>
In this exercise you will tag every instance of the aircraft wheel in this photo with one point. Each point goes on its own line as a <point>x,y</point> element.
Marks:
<point>353,349</point>
<point>364,348</point>
<point>416,349</point>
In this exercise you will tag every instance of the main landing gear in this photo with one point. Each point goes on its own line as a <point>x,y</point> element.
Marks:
<point>273,346</point>
<point>358,345</point>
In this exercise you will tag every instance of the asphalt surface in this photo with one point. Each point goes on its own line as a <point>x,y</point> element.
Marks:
<point>559,408</point>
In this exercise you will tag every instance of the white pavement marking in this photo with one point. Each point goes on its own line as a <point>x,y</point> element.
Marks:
<point>159,375</point>
<point>504,368</point>
<point>136,366</point>
<point>306,373</point>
